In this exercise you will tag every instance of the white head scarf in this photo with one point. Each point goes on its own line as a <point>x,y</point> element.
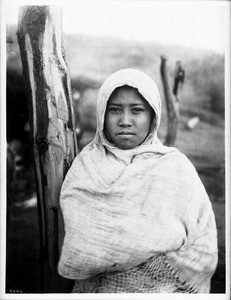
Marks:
<point>122,207</point>
<point>148,89</point>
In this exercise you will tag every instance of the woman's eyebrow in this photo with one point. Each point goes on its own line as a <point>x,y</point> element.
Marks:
<point>138,104</point>
<point>132,104</point>
<point>114,104</point>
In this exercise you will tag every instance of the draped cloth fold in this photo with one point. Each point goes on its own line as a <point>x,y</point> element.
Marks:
<point>123,207</point>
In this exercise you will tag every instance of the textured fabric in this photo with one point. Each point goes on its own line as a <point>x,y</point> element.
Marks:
<point>123,207</point>
<point>154,276</point>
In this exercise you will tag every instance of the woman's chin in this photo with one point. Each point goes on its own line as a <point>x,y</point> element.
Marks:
<point>126,146</point>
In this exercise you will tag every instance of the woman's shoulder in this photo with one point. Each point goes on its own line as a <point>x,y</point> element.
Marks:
<point>86,156</point>
<point>180,161</point>
<point>78,158</point>
<point>177,154</point>
<point>79,163</point>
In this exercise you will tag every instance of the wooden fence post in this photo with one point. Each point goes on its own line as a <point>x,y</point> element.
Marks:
<point>171,104</point>
<point>52,127</point>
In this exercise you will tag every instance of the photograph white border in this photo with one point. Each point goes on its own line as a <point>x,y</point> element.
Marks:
<point>3,176</point>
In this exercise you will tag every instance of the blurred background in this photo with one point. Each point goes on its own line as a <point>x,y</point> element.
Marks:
<point>99,38</point>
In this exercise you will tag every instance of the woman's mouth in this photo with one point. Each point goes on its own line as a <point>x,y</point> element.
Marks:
<point>125,133</point>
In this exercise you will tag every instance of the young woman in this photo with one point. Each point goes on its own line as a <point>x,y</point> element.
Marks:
<point>137,217</point>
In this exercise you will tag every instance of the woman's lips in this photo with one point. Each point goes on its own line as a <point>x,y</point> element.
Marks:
<point>125,133</point>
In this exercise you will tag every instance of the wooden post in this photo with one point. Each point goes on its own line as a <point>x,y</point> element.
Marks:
<point>52,127</point>
<point>171,104</point>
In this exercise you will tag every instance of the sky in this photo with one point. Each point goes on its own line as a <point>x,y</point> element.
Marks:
<point>197,24</point>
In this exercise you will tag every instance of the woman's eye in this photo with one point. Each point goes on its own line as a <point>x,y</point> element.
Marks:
<point>137,110</point>
<point>114,109</point>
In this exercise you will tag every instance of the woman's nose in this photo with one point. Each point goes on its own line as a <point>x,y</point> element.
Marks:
<point>125,119</point>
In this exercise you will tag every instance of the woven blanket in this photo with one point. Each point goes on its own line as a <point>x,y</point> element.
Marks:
<point>123,207</point>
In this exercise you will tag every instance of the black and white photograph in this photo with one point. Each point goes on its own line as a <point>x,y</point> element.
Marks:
<point>115,149</point>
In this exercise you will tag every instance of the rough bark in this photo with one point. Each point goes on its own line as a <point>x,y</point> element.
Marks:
<point>52,127</point>
<point>171,104</point>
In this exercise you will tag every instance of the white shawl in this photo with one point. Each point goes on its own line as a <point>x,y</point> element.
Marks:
<point>122,207</point>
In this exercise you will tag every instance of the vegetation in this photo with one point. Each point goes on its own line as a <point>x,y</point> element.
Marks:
<point>210,80</point>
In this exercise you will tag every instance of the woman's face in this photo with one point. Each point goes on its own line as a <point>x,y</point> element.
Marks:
<point>127,119</point>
